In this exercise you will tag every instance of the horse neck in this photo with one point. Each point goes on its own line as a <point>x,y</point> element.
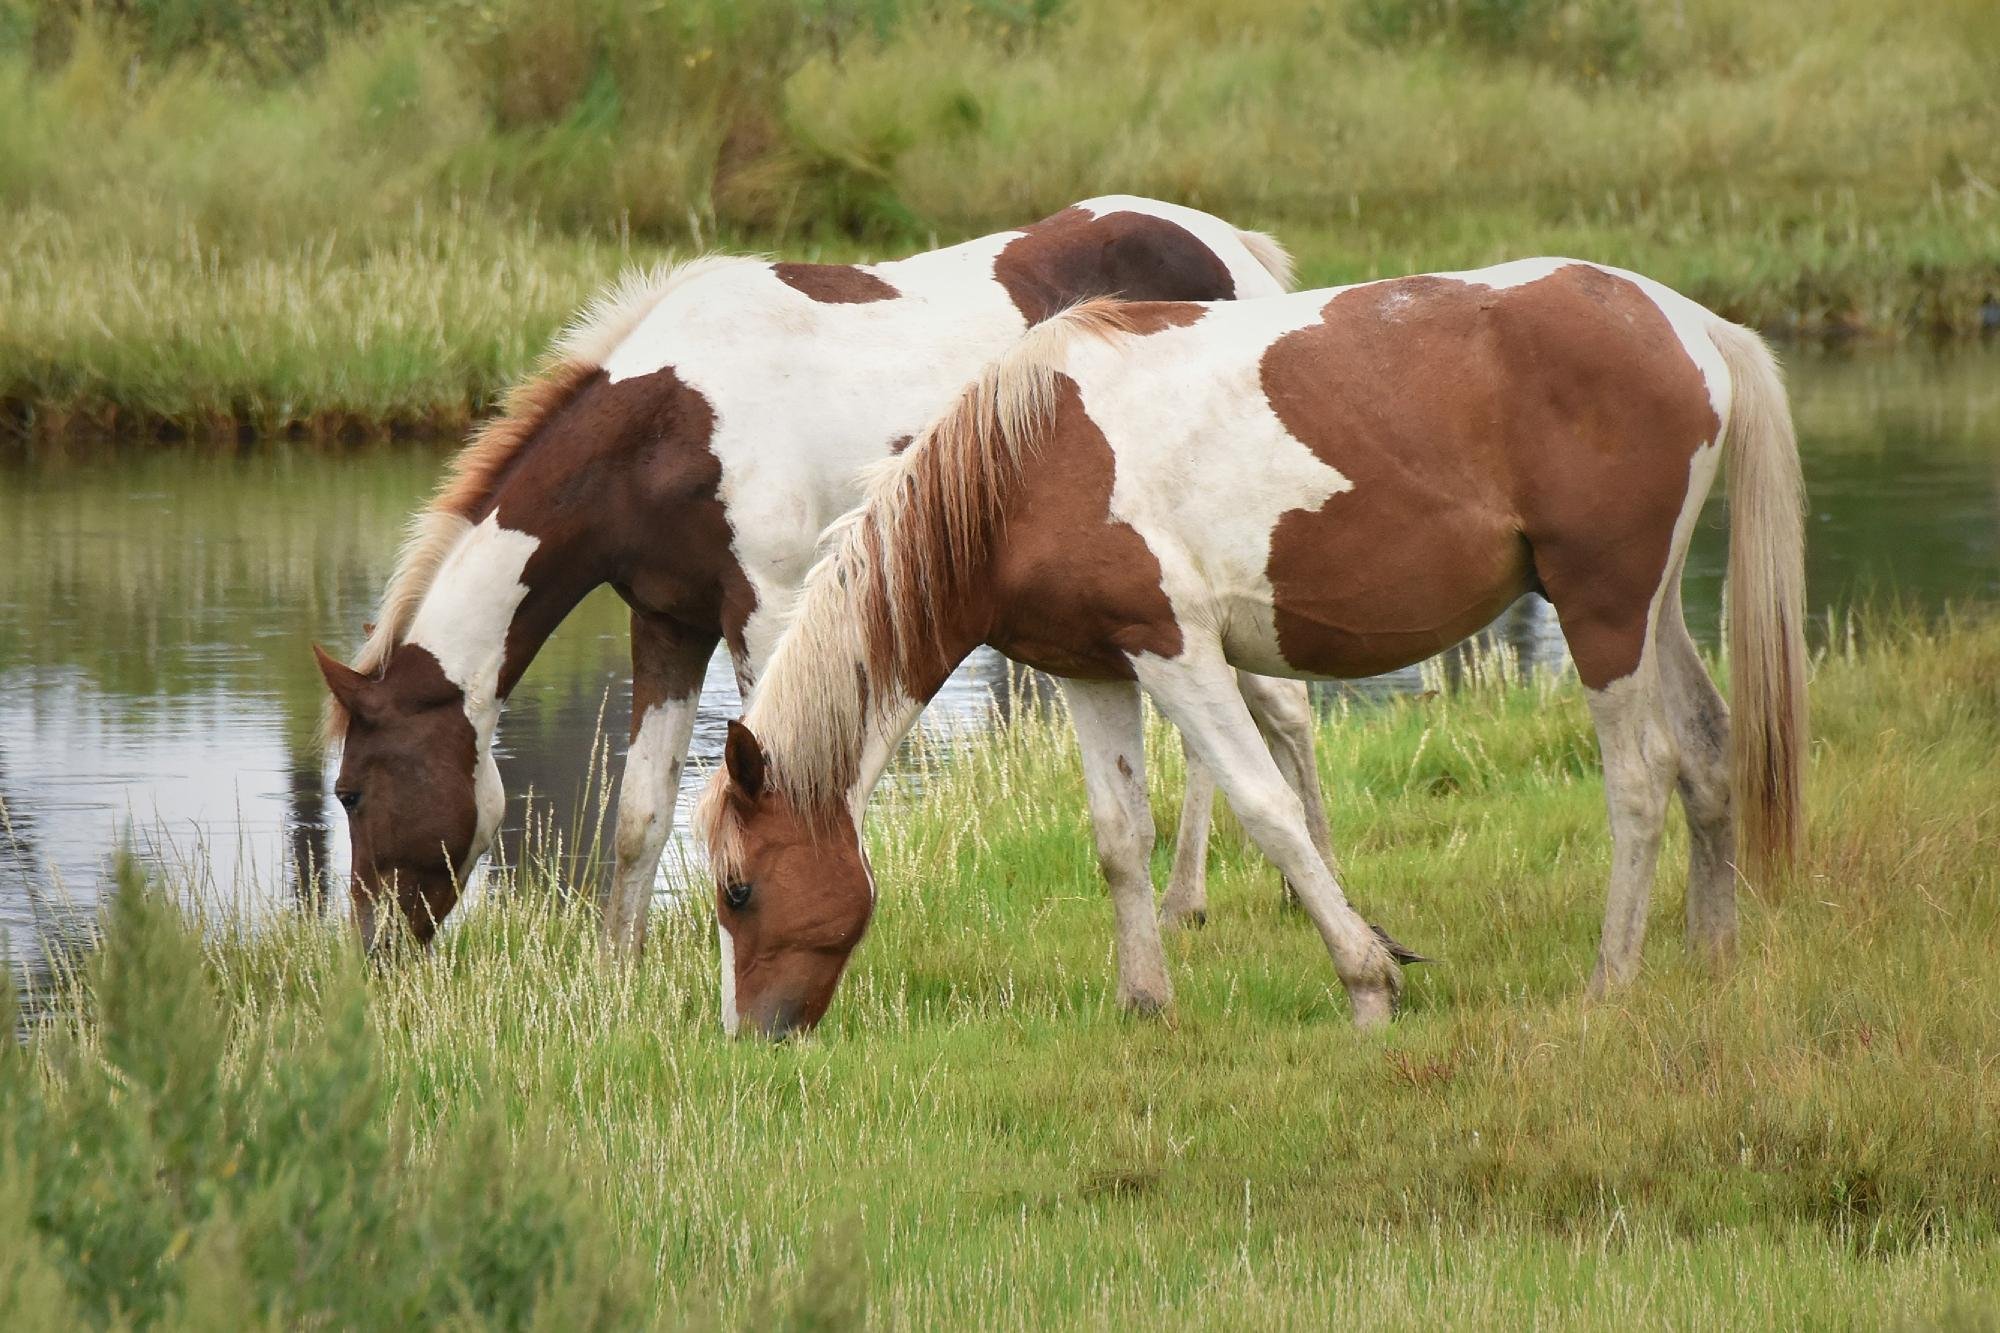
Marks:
<point>844,761</point>
<point>495,600</point>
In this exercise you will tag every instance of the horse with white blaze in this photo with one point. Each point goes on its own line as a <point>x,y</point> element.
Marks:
<point>1332,484</point>
<point>687,444</point>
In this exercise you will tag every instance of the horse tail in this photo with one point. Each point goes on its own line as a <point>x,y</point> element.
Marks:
<point>1767,650</point>
<point>1271,254</point>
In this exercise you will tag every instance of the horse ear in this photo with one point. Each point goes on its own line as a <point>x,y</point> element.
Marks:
<point>744,758</point>
<point>348,685</point>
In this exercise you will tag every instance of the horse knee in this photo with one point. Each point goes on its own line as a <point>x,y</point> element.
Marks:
<point>642,828</point>
<point>635,836</point>
<point>1124,840</point>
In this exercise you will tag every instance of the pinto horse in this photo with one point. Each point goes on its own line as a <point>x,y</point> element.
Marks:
<point>688,442</point>
<point>1329,484</point>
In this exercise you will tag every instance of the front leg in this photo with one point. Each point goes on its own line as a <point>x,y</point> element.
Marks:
<point>668,663</point>
<point>1283,713</point>
<point>1198,693</point>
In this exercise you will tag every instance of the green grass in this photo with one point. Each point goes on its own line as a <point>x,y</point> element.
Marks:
<point>321,218</point>
<point>976,1137</point>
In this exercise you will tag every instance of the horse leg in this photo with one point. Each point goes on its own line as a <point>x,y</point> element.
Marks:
<point>1186,900</point>
<point>668,663</point>
<point>1283,712</point>
<point>1639,767</point>
<point>1110,731</point>
<point>1700,722</point>
<point>1199,694</point>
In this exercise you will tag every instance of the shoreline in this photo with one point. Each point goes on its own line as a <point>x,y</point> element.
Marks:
<point>233,366</point>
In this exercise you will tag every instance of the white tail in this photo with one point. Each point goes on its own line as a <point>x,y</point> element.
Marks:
<point>1269,252</point>
<point>1767,650</point>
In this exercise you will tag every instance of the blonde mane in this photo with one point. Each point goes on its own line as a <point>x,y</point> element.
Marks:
<point>867,626</point>
<point>576,354</point>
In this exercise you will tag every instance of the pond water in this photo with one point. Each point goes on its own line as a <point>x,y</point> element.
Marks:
<point>156,604</point>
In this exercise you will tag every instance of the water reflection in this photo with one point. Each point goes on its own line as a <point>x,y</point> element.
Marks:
<point>156,607</point>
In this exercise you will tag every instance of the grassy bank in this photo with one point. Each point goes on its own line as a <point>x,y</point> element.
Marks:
<point>320,218</point>
<point>977,1137</point>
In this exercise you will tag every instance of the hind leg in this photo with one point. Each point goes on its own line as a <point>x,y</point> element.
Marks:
<point>1639,767</point>
<point>1700,722</point>
<point>1283,712</point>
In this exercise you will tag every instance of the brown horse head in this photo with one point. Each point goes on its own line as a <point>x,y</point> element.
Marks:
<point>792,896</point>
<point>418,813</point>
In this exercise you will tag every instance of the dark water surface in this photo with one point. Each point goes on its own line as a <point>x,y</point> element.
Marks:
<point>156,605</point>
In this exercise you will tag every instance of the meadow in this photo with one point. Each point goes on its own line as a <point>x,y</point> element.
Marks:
<point>242,1123</point>
<point>330,218</point>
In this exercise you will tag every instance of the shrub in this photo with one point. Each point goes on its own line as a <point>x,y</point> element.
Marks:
<point>157,1166</point>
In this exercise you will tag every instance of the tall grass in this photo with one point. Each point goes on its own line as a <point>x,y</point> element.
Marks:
<point>205,202</point>
<point>977,1137</point>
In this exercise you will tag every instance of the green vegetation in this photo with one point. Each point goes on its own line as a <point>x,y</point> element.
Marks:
<point>978,1138</point>
<point>198,1166</point>
<point>322,218</point>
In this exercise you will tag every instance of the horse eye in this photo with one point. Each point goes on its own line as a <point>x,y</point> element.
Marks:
<point>348,800</point>
<point>737,896</point>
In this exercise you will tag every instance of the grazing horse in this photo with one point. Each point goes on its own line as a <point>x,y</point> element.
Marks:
<point>688,442</point>
<point>1333,484</point>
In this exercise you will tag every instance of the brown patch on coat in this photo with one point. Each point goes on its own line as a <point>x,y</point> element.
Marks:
<point>900,443</point>
<point>1075,591</point>
<point>1492,438</point>
<point>478,468</point>
<point>669,660</point>
<point>623,489</point>
<point>1073,255</point>
<point>835,284</point>
<point>1144,317</point>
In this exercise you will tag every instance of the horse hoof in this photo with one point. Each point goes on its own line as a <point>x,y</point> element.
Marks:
<point>1145,1004</point>
<point>1192,918</point>
<point>1402,953</point>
